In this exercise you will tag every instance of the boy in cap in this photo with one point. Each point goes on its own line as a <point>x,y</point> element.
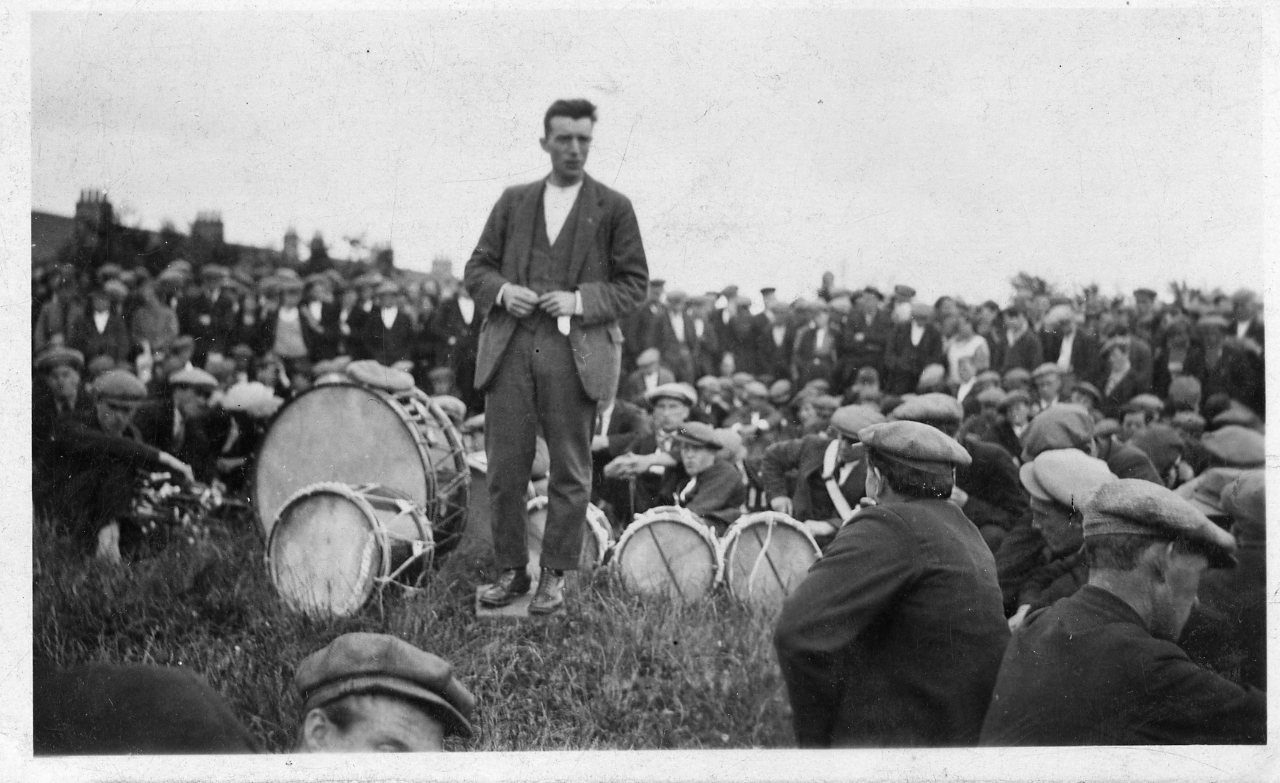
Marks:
<point>58,393</point>
<point>178,422</point>
<point>1101,667</point>
<point>388,331</point>
<point>829,473</point>
<point>648,375</point>
<point>210,315</point>
<point>715,489</point>
<point>93,465</point>
<point>895,636</point>
<point>371,692</point>
<point>650,467</point>
<point>102,332</point>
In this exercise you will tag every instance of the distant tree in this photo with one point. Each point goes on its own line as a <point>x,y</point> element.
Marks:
<point>1033,285</point>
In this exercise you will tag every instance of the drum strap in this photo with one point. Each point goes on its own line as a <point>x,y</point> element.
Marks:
<point>763,556</point>
<point>674,579</point>
<point>421,549</point>
<point>829,473</point>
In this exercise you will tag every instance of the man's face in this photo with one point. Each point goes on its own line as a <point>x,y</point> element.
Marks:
<point>114,416</point>
<point>1081,398</point>
<point>191,402</point>
<point>1061,532</point>
<point>1018,414</point>
<point>669,414</point>
<point>568,143</point>
<point>1048,386</point>
<point>696,459</point>
<point>1174,595</point>
<point>63,381</point>
<point>382,724</point>
<point>1134,422</point>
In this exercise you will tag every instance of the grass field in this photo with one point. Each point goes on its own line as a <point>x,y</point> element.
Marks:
<point>614,672</point>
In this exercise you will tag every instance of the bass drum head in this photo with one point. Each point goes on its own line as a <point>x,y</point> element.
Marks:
<point>595,538</point>
<point>667,555</point>
<point>338,432</point>
<point>323,553</point>
<point>766,556</point>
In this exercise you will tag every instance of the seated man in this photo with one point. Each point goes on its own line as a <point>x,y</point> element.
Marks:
<point>369,692</point>
<point>58,394</point>
<point>650,469</point>
<point>828,469</point>
<point>93,466</point>
<point>1101,667</point>
<point>715,490</point>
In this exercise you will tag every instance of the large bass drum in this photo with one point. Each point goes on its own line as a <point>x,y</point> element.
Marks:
<point>766,555</point>
<point>333,544</point>
<point>668,551</point>
<point>354,433</point>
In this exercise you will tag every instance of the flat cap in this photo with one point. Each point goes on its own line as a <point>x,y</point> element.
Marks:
<point>850,420</point>
<point>914,444</point>
<point>1059,314</point>
<point>1067,477</point>
<point>1212,321</point>
<point>109,270</point>
<point>1048,368</point>
<point>379,663</point>
<point>1237,413</point>
<point>931,377</point>
<point>1141,507</point>
<point>171,277</point>
<point>656,282</point>
<point>677,296</point>
<point>742,378</point>
<point>873,291</point>
<point>1014,397</point>
<point>780,390</point>
<point>922,310</point>
<point>1189,422</point>
<point>194,378</point>
<point>904,291</point>
<point>291,284</point>
<point>1088,388</point>
<point>1144,293</point>
<point>1061,426</point>
<point>1236,446</point>
<point>1161,443</point>
<point>115,289</point>
<point>755,389</point>
<point>708,382</point>
<point>1205,491</point>
<point>932,407</point>
<point>441,373</point>
<point>387,287</point>
<point>830,402</point>
<point>1113,342</point>
<point>767,290</point>
<point>119,386</point>
<point>987,376</point>
<point>695,433</point>
<point>59,356</point>
<point>992,395</point>
<point>183,343</point>
<point>1184,390</point>
<point>1146,402</point>
<point>1105,428</point>
<point>99,365</point>
<point>213,272</point>
<point>680,392</point>
<point>253,398</point>
<point>648,356</point>
<point>1016,376</point>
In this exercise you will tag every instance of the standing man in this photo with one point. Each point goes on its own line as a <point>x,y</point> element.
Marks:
<point>559,262</point>
<point>895,636</point>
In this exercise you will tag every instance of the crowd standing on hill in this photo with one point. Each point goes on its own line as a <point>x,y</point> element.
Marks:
<point>726,409</point>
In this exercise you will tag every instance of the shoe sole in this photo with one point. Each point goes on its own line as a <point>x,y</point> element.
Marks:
<point>550,610</point>
<point>509,600</point>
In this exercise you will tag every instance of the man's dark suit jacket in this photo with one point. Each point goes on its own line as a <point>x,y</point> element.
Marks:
<point>770,358</point>
<point>736,337</point>
<point>388,346</point>
<point>903,362</point>
<point>793,468</point>
<point>1026,352</point>
<point>209,322</point>
<point>862,345</point>
<point>1084,354</point>
<point>608,266</point>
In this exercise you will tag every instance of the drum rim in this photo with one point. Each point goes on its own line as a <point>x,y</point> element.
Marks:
<point>346,491</point>
<point>597,524</point>
<point>746,520</point>
<point>681,515</point>
<point>457,450</point>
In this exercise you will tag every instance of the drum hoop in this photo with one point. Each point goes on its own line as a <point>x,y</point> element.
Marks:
<point>679,515</point>
<point>457,454</point>
<point>749,520</point>
<point>371,518</point>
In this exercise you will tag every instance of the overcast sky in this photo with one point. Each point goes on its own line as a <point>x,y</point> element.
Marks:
<point>947,149</point>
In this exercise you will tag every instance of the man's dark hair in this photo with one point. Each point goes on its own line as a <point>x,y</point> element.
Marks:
<point>574,109</point>
<point>909,481</point>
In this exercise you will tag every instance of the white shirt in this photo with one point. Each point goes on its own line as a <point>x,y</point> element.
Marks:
<point>287,314</point>
<point>779,332</point>
<point>651,382</point>
<point>467,306</point>
<point>677,325</point>
<point>389,316</point>
<point>1064,355</point>
<point>605,416</point>
<point>315,308</point>
<point>100,320</point>
<point>698,327</point>
<point>1242,328</point>
<point>917,333</point>
<point>964,388</point>
<point>557,202</point>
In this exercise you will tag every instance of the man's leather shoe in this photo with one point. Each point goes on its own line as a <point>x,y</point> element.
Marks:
<point>510,586</point>
<point>550,594</point>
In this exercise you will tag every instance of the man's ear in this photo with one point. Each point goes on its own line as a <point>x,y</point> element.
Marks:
<point>316,731</point>
<point>1155,559</point>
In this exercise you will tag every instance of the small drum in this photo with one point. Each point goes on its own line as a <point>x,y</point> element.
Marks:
<point>332,544</point>
<point>766,556</point>
<point>595,540</point>
<point>354,433</point>
<point>667,551</point>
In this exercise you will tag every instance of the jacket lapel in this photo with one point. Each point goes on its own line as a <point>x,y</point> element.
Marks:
<point>525,220</point>
<point>589,212</point>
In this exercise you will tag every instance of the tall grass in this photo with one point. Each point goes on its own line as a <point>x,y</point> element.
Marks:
<point>614,672</point>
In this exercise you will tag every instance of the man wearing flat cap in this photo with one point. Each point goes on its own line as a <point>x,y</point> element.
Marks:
<point>914,345</point>
<point>715,489</point>
<point>102,331</point>
<point>388,331</point>
<point>209,316</point>
<point>758,423</point>
<point>1017,345</point>
<point>649,374</point>
<point>862,341</point>
<point>649,467</point>
<point>895,636</point>
<point>829,473</point>
<point>1102,666</point>
<point>371,692</point>
<point>57,394</point>
<point>178,422</point>
<point>93,465</point>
